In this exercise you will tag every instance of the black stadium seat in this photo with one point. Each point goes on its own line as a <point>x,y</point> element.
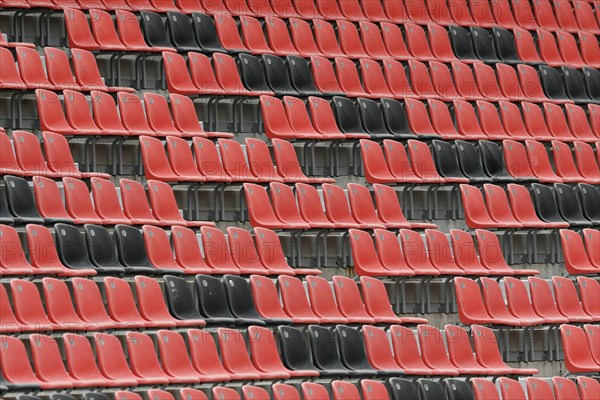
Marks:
<point>295,351</point>
<point>206,33</point>
<point>181,32</point>
<point>326,353</point>
<point>180,299</point>
<point>277,75</point>
<point>21,203</point>
<point>213,304</point>
<point>241,303</point>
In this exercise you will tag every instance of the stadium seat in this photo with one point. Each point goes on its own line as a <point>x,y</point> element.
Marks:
<point>165,208</point>
<point>60,160</point>
<point>578,356</point>
<point>587,387</point>
<point>284,206</point>
<point>310,207</point>
<point>519,303</point>
<point>588,290</point>
<point>569,206</point>
<point>326,353</point>
<point>567,300</point>
<point>21,201</point>
<point>353,353</point>
<point>180,299</point>
<point>574,255</point>
<point>271,253</point>
<point>132,250</point>
<point>152,305</point>
<point>87,74</point>
<point>349,40</point>
<point>208,162</point>
<point>349,300</point>
<point>49,201</point>
<point>487,353</point>
<point>542,300</point>
<point>337,207</point>
<point>389,210</point>
<point>106,116</point>
<point>461,354</point>
<point>469,162</point>
<point>475,210</point>
<point>348,78</point>
<point>322,301</point>
<point>295,301</point>
<point>295,353</point>
<point>591,238</point>
<point>498,208</point>
<point>415,254</point>
<point>485,388</point>
<point>288,166</point>
<point>266,299</point>
<point>584,159</point>
<point>244,254</point>
<point>463,248</point>
<point>175,359</point>
<point>471,306</point>
<point>217,253</point>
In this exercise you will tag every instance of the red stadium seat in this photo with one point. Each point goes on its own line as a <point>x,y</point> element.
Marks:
<point>406,352</point>
<point>567,300</point>
<point>488,355</point>
<point>174,357</point>
<point>577,353</point>
<point>295,301</point>
<point>205,358</point>
<point>323,302</point>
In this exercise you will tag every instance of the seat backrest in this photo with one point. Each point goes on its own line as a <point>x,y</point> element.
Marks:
<point>295,352</point>
<point>180,298</point>
<point>131,247</point>
<point>325,350</point>
<point>155,32</point>
<point>213,301</point>
<point>71,247</point>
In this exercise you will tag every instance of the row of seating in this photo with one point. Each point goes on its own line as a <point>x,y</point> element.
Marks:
<point>281,208</point>
<point>581,255</point>
<point>129,119</point>
<point>558,206</point>
<point>388,118</point>
<point>405,255</point>
<point>536,388</point>
<point>268,74</point>
<point>527,303</point>
<point>562,14</point>
<point>581,355</point>
<point>445,162</point>
<point>200,32</point>
<point>47,207</point>
<point>558,388</point>
<point>144,251</point>
<point>394,388</point>
<point>230,301</point>
<point>343,352</point>
<point>27,159</point>
<point>54,73</point>
<point>227,162</point>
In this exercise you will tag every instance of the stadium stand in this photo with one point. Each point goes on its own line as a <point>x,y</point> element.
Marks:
<point>299,199</point>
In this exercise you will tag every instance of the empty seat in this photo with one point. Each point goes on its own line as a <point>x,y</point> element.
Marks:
<point>322,301</point>
<point>165,208</point>
<point>180,299</point>
<point>266,299</point>
<point>474,207</point>
<point>326,353</point>
<point>569,206</point>
<point>48,200</point>
<point>295,351</point>
<point>493,161</point>
<point>218,255</point>
<point>361,205</point>
<point>487,353</point>
<point>567,300</point>
<point>132,251</point>
<point>295,301</point>
<point>271,253</point>
<point>578,356</point>
<point>21,201</point>
<point>469,161</point>
<point>584,159</point>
